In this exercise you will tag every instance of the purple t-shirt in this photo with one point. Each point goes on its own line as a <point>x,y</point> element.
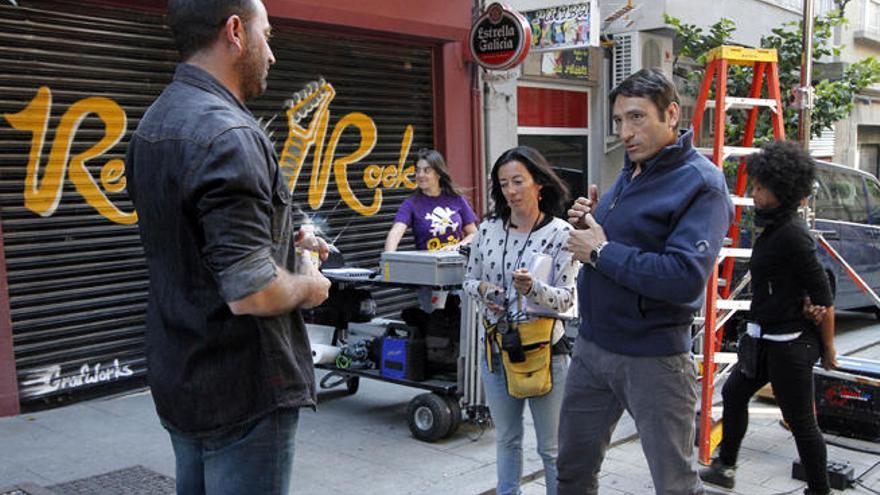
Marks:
<point>436,221</point>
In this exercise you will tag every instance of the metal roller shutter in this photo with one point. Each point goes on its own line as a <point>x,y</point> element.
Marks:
<point>391,85</point>
<point>77,278</point>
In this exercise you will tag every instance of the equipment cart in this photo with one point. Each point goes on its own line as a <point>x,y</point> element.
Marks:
<point>449,398</point>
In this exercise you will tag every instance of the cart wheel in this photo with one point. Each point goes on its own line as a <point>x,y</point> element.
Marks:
<point>455,409</point>
<point>429,417</point>
<point>353,384</point>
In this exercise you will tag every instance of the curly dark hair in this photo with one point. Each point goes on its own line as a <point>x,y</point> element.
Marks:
<point>785,169</point>
<point>554,193</point>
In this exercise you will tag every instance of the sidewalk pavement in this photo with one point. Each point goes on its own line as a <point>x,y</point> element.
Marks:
<point>764,465</point>
<point>768,449</point>
<point>353,444</point>
<point>358,444</point>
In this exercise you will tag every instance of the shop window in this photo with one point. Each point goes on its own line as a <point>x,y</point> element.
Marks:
<point>566,154</point>
<point>553,120</point>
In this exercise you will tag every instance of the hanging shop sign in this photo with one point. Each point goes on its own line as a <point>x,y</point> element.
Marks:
<point>560,64</point>
<point>565,27</point>
<point>500,38</point>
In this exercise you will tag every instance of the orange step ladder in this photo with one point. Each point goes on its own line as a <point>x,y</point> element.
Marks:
<point>721,302</point>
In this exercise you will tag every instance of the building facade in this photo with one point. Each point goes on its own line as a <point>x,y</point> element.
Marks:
<point>855,140</point>
<point>548,102</point>
<point>857,137</point>
<point>358,87</point>
<point>633,36</point>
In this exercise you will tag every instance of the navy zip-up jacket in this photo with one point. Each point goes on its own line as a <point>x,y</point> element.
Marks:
<point>665,228</point>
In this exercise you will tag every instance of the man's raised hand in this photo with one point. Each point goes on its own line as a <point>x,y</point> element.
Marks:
<point>583,206</point>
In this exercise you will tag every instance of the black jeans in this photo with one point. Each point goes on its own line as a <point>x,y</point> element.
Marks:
<point>788,366</point>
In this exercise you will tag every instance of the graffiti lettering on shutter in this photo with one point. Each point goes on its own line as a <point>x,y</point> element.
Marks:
<point>42,381</point>
<point>44,184</point>
<point>42,191</point>
<point>314,100</point>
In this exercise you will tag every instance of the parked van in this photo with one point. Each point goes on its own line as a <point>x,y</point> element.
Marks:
<point>847,208</point>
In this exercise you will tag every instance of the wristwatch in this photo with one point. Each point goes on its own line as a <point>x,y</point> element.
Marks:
<point>594,254</point>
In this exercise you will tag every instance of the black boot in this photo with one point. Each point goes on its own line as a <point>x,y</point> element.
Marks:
<point>719,474</point>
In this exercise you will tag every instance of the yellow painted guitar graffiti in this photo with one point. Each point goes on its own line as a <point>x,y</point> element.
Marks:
<point>314,101</point>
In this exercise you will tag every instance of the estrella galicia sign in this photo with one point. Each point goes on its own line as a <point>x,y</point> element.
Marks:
<point>500,38</point>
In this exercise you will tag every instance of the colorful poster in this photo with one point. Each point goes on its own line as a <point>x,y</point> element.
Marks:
<point>564,27</point>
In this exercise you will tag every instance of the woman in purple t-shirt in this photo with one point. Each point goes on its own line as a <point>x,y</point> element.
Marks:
<point>439,215</point>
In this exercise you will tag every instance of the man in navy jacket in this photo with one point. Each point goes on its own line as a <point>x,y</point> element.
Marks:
<point>648,246</point>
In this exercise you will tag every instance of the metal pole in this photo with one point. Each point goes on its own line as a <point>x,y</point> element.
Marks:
<point>805,91</point>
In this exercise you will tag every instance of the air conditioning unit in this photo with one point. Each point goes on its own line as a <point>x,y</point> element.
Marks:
<point>638,50</point>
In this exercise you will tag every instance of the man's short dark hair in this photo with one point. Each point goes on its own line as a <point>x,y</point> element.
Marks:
<point>195,23</point>
<point>785,169</point>
<point>651,84</point>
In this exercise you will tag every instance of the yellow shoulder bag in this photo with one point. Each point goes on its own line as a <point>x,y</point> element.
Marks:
<point>530,377</point>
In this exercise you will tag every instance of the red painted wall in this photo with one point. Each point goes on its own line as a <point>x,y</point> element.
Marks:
<point>541,107</point>
<point>8,382</point>
<point>447,20</point>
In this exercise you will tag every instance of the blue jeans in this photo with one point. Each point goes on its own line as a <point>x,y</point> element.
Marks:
<point>256,457</point>
<point>507,414</point>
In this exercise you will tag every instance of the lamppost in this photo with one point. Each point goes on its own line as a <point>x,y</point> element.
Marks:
<point>805,94</point>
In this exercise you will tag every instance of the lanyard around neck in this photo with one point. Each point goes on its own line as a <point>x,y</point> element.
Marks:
<point>518,258</point>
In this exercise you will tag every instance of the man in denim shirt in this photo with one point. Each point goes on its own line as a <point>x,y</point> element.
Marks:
<point>229,360</point>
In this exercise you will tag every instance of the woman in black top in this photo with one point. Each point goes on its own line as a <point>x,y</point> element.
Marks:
<point>793,309</point>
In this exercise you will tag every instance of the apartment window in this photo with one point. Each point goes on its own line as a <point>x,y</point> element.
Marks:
<point>792,5</point>
<point>872,16</point>
<point>823,7</point>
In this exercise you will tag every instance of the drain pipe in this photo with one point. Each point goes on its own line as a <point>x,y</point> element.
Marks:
<point>478,118</point>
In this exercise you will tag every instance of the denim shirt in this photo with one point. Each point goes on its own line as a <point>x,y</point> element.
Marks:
<point>214,219</point>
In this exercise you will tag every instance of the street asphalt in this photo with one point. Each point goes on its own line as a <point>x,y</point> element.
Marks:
<point>361,444</point>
